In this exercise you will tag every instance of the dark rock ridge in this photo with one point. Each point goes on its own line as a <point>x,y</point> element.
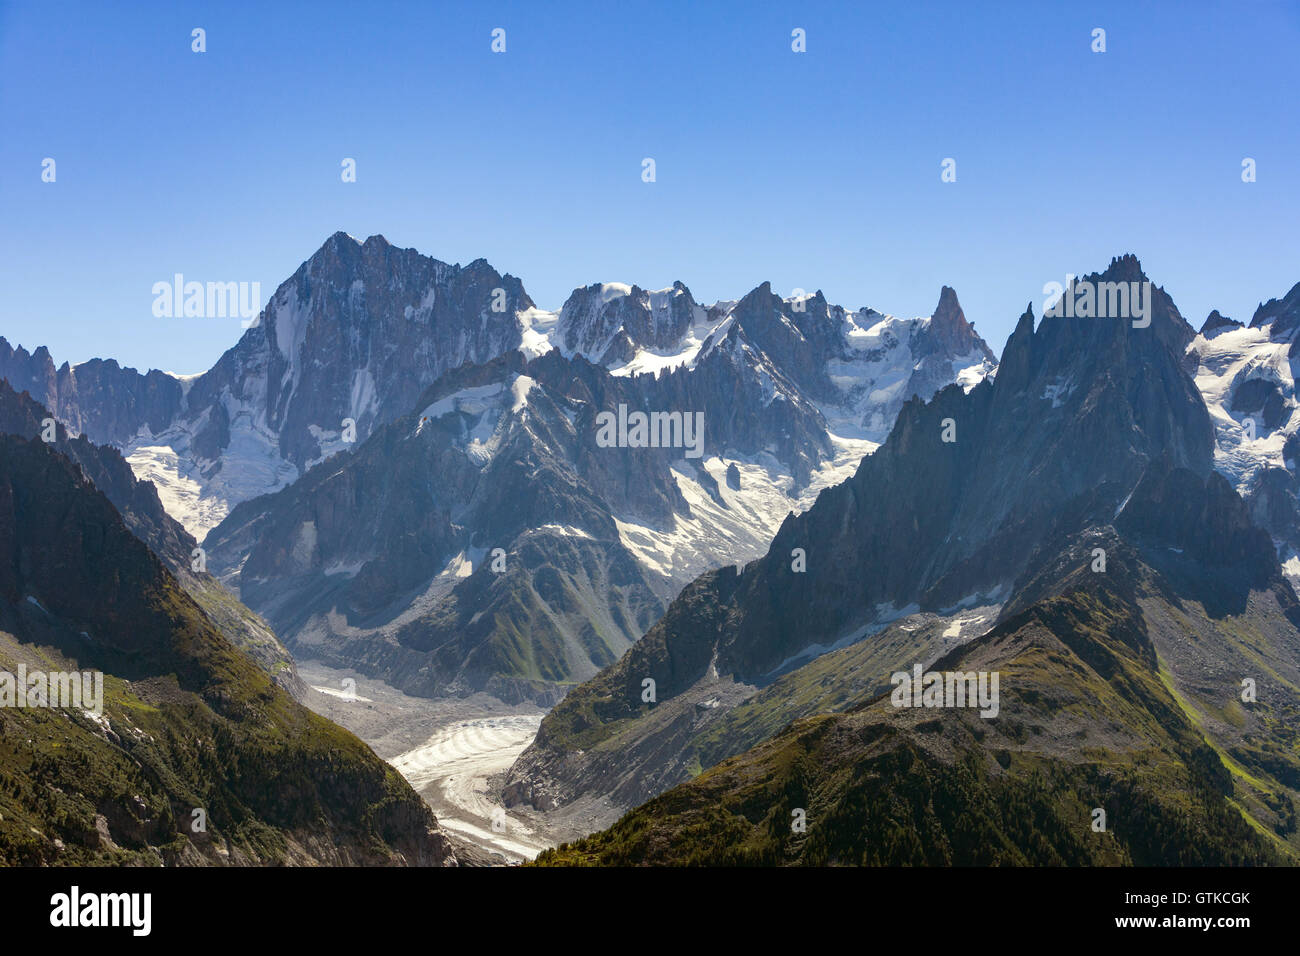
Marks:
<point>1214,322</point>
<point>97,398</point>
<point>187,721</point>
<point>1282,316</point>
<point>138,504</point>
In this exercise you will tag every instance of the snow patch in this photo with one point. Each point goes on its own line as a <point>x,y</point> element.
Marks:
<point>536,327</point>
<point>468,401</point>
<point>519,390</point>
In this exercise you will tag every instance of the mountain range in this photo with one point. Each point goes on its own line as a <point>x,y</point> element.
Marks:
<point>410,470</point>
<point>1144,632</point>
<point>394,553</point>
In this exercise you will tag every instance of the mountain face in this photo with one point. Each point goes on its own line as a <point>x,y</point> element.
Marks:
<point>383,560</point>
<point>982,511</point>
<point>184,723</point>
<point>611,323</point>
<point>1091,730</point>
<point>97,398</point>
<point>356,334</point>
<point>138,503</point>
<point>1247,375</point>
<point>491,538</point>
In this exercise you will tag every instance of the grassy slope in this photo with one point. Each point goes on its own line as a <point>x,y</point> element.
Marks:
<point>197,724</point>
<point>1087,721</point>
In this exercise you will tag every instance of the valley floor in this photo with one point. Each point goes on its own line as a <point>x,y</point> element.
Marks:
<point>451,750</point>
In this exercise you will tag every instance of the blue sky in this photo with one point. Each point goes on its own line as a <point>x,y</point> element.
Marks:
<point>815,170</point>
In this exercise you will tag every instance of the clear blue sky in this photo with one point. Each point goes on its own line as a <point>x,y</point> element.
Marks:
<point>816,170</point>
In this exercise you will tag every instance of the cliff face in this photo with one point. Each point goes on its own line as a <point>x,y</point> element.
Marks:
<point>98,398</point>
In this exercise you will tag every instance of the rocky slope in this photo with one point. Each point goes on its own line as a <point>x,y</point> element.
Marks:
<point>188,723</point>
<point>137,502</point>
<point>1100,754</point>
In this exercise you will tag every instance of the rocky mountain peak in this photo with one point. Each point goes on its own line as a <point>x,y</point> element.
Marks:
<point>1215,322</point>
<point>357,333</point>
<point>760,295</point>
<point>1021,449</point>
<point>1282,314</point>
<point>609,321</point>
<point>950,334</point>
<point>1017,354</point>
<point>1124,268</point>
<point>948,304</point>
